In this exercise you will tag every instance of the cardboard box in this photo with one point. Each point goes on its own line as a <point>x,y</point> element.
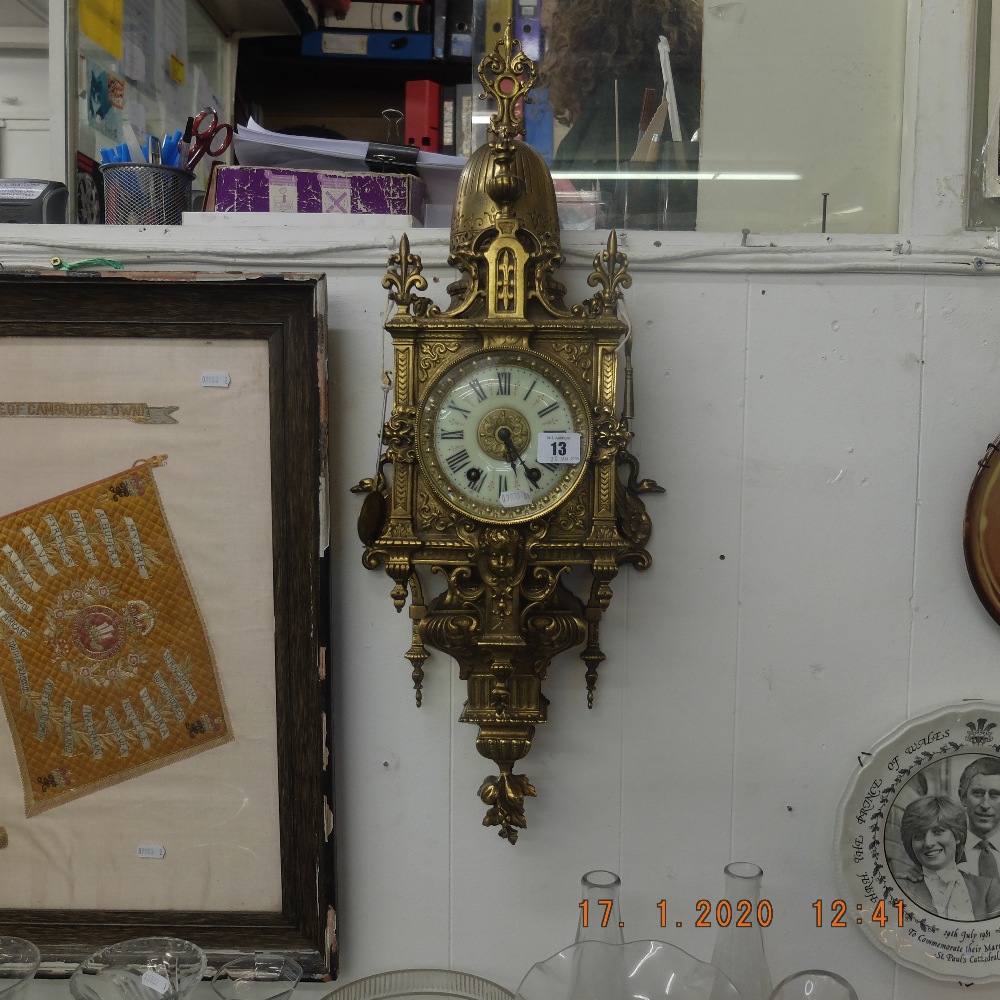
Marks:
<point>280,189</point>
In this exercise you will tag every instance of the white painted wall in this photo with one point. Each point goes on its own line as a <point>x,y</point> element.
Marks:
<point>815,409</point>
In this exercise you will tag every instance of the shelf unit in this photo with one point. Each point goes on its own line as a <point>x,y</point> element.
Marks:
<point>283,89</point>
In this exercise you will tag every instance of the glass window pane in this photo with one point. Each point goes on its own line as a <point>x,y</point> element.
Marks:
<point>788,112</point>
<point>984,173</point>
<point>802,99</point>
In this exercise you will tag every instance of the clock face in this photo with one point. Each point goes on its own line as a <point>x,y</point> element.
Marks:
<point>504,435</point>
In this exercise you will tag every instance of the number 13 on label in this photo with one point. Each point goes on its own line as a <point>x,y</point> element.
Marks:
<point>558,449</point>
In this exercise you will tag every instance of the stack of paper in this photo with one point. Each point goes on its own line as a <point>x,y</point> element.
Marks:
<point>257,147</point>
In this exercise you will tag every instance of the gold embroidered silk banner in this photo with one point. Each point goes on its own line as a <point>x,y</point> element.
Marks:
<point>106,669</point>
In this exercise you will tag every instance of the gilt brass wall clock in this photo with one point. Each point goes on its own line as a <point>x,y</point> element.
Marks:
<point>505,461</point>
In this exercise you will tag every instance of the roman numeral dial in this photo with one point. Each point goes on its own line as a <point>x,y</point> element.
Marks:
<point>479,427</point>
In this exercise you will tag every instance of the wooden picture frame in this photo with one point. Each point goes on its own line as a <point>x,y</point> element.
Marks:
<point>286,316</point>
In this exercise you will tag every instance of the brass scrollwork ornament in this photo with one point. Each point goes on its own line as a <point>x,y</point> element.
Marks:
<point>505,459</point>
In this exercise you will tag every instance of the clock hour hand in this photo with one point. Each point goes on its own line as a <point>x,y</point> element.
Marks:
<point>508,443</point>
<point>515,456</point>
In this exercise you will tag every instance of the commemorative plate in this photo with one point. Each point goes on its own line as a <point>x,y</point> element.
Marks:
<point>918,841</point>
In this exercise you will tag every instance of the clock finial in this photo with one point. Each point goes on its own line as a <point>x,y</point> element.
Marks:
<point>507,75</point>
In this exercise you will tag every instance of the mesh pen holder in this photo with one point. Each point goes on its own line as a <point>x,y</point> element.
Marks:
<point>145,194</point>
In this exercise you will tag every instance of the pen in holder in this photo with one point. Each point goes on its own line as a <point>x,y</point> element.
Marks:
<point>144,194</point>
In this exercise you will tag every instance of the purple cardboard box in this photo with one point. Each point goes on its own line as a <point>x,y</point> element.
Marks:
<point>274,189</point>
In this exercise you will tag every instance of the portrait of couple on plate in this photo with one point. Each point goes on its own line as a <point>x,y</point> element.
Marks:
<point>942,838</point>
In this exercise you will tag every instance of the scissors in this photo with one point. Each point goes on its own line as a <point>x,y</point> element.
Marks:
<point>205,130</point>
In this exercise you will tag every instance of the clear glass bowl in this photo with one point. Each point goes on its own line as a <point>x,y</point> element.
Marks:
<point>814,984</point>
<point>596,970</point>
<point>257,977</point>
<point>19,961</point>
<point>151,968</point>
<point>420,984</point>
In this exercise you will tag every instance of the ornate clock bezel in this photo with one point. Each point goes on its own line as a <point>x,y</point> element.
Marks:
<point>434,473</point>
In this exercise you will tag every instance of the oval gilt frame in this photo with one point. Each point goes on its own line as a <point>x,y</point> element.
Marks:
<point>981,531</point>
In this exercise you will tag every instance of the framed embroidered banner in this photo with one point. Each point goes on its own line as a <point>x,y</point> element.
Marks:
<point>164,753</point>
<point>106,669</point>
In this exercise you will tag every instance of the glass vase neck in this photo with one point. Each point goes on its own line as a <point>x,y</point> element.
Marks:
<point>600,908</point>
<point>744,873</point>
<point>739,945</point>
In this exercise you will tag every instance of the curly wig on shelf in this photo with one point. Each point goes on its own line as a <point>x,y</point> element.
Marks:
<point>587,40</point>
